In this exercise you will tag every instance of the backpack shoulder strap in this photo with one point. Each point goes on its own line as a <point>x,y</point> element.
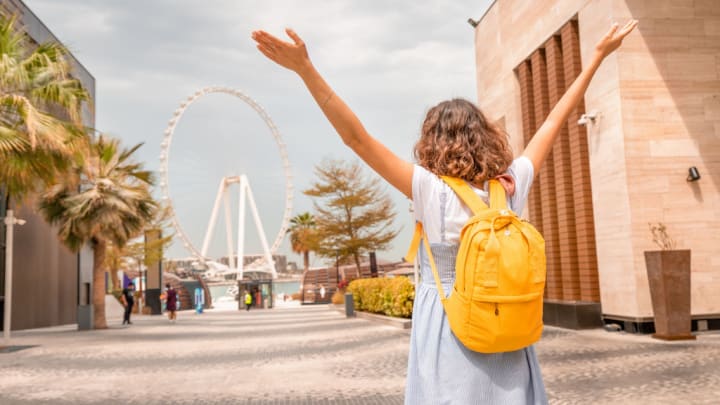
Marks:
<point>466,194</point>
<point>498,199</point>
<point>411,256</point>
<point>415,244</point>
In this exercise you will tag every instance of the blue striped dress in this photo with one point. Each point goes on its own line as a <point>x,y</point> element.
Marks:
<point>440,369</point>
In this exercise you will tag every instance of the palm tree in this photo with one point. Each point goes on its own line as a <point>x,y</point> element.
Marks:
<point>110,202</point>
<point>40,111</point>
<point>301,235</point>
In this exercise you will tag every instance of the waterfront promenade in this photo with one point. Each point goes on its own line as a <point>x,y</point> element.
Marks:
<point>313,355</point>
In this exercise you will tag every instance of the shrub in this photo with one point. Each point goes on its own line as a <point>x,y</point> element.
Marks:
<point>296,296</point>
<point>389,296</point>
<point>338,298</point>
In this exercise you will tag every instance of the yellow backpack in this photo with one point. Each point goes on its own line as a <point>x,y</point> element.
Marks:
<point>496,303</point>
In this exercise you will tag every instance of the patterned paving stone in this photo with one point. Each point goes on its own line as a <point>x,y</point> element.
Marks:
<point>314,355</point>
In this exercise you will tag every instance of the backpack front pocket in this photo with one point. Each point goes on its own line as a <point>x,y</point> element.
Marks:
<point>515,321</point>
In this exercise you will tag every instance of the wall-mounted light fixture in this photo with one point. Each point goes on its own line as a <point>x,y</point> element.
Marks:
<point>693,174</point>
<point>588,118</point>
<point>473,22</point>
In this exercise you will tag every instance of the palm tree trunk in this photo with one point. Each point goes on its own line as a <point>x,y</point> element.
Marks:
<point>115,279</point>
<point>306,259</point>
<point>99,248</point>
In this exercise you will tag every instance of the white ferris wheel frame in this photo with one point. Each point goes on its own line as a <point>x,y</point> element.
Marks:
<point>201,255</point>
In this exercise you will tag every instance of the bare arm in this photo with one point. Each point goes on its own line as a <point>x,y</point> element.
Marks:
<point>543,140</point>
<point>294,56</point>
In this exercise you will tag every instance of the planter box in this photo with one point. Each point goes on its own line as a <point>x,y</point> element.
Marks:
<point>669,278</point>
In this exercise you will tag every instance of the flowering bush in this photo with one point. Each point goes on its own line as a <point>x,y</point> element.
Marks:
<point>389,296</point>
<point>338,298</point>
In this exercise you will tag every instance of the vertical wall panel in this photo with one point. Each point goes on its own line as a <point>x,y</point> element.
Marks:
<point>565,217</point>
<point>581,182</point>
<point>546,177</point>
<point>528,122</point>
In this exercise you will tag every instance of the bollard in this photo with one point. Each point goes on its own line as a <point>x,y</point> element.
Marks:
<point>349,305</point>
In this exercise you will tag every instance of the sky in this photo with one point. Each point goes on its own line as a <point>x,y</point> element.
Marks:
<point>389,60</point>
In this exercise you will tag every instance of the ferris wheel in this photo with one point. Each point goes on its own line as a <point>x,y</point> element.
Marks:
<point>201,254</point>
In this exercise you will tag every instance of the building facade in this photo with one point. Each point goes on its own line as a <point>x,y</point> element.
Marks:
<point>655,112</point>
<point>46,275</point>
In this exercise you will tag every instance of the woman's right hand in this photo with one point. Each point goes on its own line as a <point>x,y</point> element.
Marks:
<point>294,56</point>
<point>290,55</point>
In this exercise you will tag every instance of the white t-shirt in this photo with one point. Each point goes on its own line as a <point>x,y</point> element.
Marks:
<point>442,212</point>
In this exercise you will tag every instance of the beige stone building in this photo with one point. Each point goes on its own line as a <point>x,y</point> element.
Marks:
<point>657,107</point>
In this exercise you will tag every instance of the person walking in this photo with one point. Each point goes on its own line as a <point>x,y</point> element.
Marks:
<point>171,302</point>
<point>457,140</point>
<point>248,300</point>
<point>128,299</point>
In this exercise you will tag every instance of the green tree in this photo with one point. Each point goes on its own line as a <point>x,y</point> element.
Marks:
<point>40,111</point>
<point>108,202</point>
<point>354,214</point>
<point>301,235</point>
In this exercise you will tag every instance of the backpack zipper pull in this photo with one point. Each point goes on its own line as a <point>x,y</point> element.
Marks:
<point>497,310</point>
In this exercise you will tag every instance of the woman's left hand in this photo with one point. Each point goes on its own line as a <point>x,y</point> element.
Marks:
<point>293,56</point>
<point>613,39</point>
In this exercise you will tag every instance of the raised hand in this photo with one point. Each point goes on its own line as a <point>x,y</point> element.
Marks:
<point>612,40</point>
<point>290,55</point>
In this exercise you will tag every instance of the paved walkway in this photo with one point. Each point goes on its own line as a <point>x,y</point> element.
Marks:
<point>313,355</point>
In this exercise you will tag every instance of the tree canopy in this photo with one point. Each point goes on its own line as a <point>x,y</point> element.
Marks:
<point>40,111</point>
<point>354,213</point>
<point>301,232</point>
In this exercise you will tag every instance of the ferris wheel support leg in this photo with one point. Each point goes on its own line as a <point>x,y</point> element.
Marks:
<point>228,230</point>
<point>258,225</point>
<point>241,229</point>
<point>213,218</point>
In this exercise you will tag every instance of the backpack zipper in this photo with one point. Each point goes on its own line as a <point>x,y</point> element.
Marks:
<point>497,310</point>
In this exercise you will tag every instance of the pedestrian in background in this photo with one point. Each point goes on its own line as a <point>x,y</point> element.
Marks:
<point>128,300</point>
<point>248,300</point>
<point>171,305</point>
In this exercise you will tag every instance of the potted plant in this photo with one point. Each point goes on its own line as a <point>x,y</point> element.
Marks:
<point>668,273</point>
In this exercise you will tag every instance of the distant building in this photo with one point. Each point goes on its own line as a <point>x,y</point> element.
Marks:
<point>46,275</point>
<point>280,261</point>
<point>653,112</point>
<point>292,267</point>
<point>185,264</point>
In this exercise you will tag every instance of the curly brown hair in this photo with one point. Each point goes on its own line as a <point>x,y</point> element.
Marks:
<point>457,140</point>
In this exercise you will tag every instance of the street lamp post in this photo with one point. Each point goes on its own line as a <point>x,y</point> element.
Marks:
<point>10,221</point>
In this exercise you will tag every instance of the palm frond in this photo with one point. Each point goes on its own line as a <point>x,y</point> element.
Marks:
<point>10,38</point>
<point>68,94</point>
<point>110,203</point>
<point>12,141</point>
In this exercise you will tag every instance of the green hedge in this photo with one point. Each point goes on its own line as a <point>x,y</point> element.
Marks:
<point>389,296</point>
